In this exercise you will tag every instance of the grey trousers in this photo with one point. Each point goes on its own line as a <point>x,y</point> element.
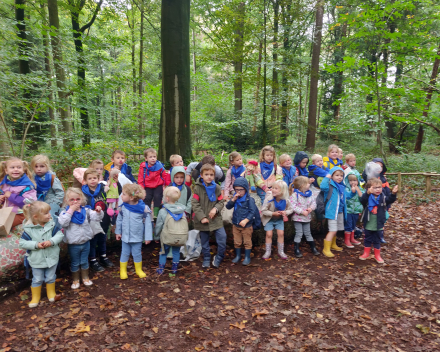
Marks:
<point>302,228</point>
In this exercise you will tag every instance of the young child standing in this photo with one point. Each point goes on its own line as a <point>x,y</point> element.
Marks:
<point>44,249</point>
<point>236,170</point>
<point>133,226</point>
<point>332,158</point>
<point>375,203</point>
<point>17,187</point>
<point>289,172</point>
<point>275,210</point>
<point>354,208</point>
<point>78,233</point>
<point>207,204</point>
<point>301,160</point>
<point>267,172</point>
<point>151,178</point>
<point>49,188</point>
<point>119,161</point>
<point>242,219</point>
<point>303,203</point>
<point>317,171</point>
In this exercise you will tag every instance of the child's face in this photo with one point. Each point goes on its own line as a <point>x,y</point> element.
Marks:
<point>305,188</point>
<point>43,218</point>
<point>238,161</point>
<point>287,164</point>
<point>126,198</point>
<point>99,169</point>
<point>208,176</point>
<point>380,164</point>
<point>179,178</point>
<point>338,176</point>
<point>268,157</point>
<point>333,154</point>
<point>340,154</point>
<point>353,183</point>
<point>377,189</point>
<point>151,158</point>
<point>118,160</point>
<point>40,169</point>
<point>92,181</point>
<point>303,163</point>
<point>318,162</point>
<point>240,191</point>
<point>276,190</point>
<point>73,199</point>
<point>351,162</point>
<point>14,169</point>
<point>177,162</point>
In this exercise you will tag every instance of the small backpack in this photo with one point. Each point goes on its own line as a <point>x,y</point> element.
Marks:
<point>174,232</point>
<point>321,202</point>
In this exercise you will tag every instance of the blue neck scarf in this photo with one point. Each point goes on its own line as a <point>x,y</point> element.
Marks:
<point>237,172</point>
<point>210,190</point>
<point>22,181</point>
<point>288,175</point>
<point>176,217</point>
<point>281,205</point>
<point>299,193</point>
<point>43,185</point>
<point>179,187</point>
<point>266,169</point>
<point>171,170</point>
<point>340,186</point>
<point>86,190</point>
<point>373,202</point>
<point>318,171</point>
<point>240,201</point>
<point>138,208</point>
<point>156,167</point>
<point>78,217</point>
<point>302,171</point>
<point>338,162</point>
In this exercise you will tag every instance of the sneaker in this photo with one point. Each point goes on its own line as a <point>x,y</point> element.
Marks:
<point>206,263</point>
<point>106,262</point>
<point>95,266</point>
<point>215,264</point>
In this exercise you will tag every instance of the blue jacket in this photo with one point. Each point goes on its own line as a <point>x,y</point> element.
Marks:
<point>132,227</point>
<point>247,208</point>
<point>332,206</point>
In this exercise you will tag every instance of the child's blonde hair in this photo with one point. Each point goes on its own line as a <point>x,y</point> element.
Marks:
<point>268,149</point>
<point>89,172</point>
<point>172,193</point>
<point>95,163</point>
<point>299,182</point>
<point>349,157</point>
<point>118,152</point>
<point>40,159</point>
<point>76,191</point>
<point>316,157</point>
<point>174,158</point>
<point>35,208</point>
<point>340,150</point>
<point>149,151</point>
<point>135,191</point>
<point>232,157</point>
<point>352,177</point>
<point>26,169</point>
<point>331,147</point>
<point>283,188</point>
<point>283,158</point>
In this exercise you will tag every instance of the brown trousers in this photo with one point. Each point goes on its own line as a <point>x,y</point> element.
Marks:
<point>242,235</point>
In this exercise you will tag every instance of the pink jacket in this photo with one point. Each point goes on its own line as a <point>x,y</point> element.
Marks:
<point>229,183</point>
<point>277,174</point>
<point>17,200</point>
<point>299,204</point>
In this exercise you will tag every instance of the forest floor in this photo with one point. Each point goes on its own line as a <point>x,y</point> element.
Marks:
<point>307,304</point>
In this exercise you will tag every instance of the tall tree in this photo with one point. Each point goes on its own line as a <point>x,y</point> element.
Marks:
<point>238,57</point>
<point>141,67</point>
<point>274,111</point>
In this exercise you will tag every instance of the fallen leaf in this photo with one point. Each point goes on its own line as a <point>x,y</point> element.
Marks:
<point>80,327</point>
<point>239,325</point>
<point>424,329</point>
<point>319,316</point>
<point>191,303</point>
<point>404,312</point>
<point>257,313</point>
<point>176,290</point>
<point>156,330</point>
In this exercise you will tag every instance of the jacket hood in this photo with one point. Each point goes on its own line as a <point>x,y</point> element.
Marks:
<point>29,225</point>
<point>335,168</point>
<point>300,156</point>
<point>380,160</point>
<point>175,208</point>
<point>242,182</point>
<point>177,169</point>
<point>358,176</point>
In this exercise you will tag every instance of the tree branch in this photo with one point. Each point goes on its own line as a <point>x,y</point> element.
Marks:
<point>430,125</point>
<point>98,7</point>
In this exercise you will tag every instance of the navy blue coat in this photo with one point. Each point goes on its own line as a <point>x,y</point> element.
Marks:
<point>385,202</point>
<point>247,209</point>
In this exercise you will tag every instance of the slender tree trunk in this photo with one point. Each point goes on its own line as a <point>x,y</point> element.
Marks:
<point>264,126</point>
<point>174,137</point>
<point>118,112</point>
<point>238,59</point>
<point>141,81</point>
<point>314,77</point>
<point>257,89</point>
<point>284,132</point>
<point>275,85</point>
<point>194,62</point>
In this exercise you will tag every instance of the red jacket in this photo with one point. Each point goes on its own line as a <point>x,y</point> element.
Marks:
<point>151,179</point>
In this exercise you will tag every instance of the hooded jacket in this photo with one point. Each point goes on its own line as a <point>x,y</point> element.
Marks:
<point>128,174</point>
<point>229,182</point>
<point>185,193</point>
<point>175,208</point>
<point>300,204</point>
<point>75,233</point>
<point>384,203</point>
<point>268,208</point>
<point>330,164</point>
<point>247,209</point>
<point>151,179</point>
<point>20,195</point>
<point>385,186</point>
<point>134,227</point>
<point>354,205</point>
<point>300,156</point>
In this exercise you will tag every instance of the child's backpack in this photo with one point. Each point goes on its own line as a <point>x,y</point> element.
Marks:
<point>321,202</point>
<point>174,232</point>
<point>26,237</point>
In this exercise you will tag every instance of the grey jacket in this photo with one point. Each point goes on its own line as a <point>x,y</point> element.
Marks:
<point>79,234</point>
<point>134,227</point>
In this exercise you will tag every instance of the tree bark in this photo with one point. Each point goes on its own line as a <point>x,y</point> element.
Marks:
<point>314,77</point>
<point>194,62</point>
<point>238,59</point>
<point>284,132</point>
<point>274,111</point>
<point>141,82</point>
<point>257,89</point>
<point>174,137</point>
<point>264,125</point>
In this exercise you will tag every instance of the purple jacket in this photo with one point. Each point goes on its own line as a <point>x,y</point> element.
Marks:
<point>16,200</point>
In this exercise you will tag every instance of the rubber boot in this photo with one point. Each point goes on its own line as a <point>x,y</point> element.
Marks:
<point>335,246</point>
<point>353,240</point>
<point>347,242</point>
<point>85,277</point>
<point>160,269</point>
<point>156,212</point>
<point>296,251</point>
<point>237,255</point>
<point>377,256</point>
<point>139,272</point>
<point>268,252</point>
<point>366,254</point>
<point>174,267</point>
<point>281,251</point>
<point>50,291</point>
<point>326,251</point>
<point>123,270</point>
<point>382,238</point>
<point>36,296</point>
<point>75,279</point>
<point>247,257</point>
<point>313,248</point>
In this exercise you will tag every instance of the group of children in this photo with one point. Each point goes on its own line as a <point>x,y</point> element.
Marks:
<point>109,194</point>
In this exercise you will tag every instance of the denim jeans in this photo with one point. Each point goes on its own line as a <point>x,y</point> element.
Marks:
<point>372,238</point>
<point>79,254</point>
<point>99,240</point>
<point>220,237</point>
<point>40,275</point>
<point>261,194</point>
<point>134,248</point>
<point>350,222</point>
<point>176,254</point>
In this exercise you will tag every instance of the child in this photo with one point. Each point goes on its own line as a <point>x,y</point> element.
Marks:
<point>354,208</point>
<point>236,170</point>
<point>151,178</point>
<point>49,187</point>
<point>303,203</point>
<point>17,187</point>
<point>114,190</point>
<point>176,212</point>
<point>119,161</point>
<point>340,157</point>
<point>242,219</point>
<point>98,165</point>
<point>96,197</point>
<point>301,160</point>
<point>275,209</point>
<point>193,170</point>
<point>289,172</point>
<point>317,170</point>
<point>130,228</point>
<point>44,250</point>
<point>335,208</point>
<point>175,160</point>
<point>350,164</point>
<point>207,204</point>
<point>76,223</point>
<point>375,203</point>
<point>267,172</point>
<point>332,158</point>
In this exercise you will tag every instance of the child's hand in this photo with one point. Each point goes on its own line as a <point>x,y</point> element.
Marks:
<point>305,212</point>
<point>41,245</point>
<point>106,188</point>
<point>282,213</point>
<point>370,190</point>
<point>276,213</point>
<point>118,237</point>
<point>309,210</point>
<point>235,197</point>
<point>353,189</point>
<point>147,242</point>
<point>243,223</point>
<point>98,209</point>
<point>395,189</point>
<point>213,213</point>
<point>311,180</point>
<point>7,194</point>
<point>2,198</point>
<point>75,207</point>
<point>328,176</point>
<point>47,244</point>
<point>204,221</point>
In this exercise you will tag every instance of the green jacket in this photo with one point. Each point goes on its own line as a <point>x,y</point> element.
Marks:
<point>354,205</point>
<point>201,206</point>
<point>42,258</point>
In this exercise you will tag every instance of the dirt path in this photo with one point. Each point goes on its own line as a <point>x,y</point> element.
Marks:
<point>308,304</point>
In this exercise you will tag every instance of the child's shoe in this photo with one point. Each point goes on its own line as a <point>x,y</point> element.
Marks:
<point>174,267</point>
<point>85,277</point>
<point>123,270</point>
<point>237,255</point>
<point>95,266</point>
<point>268,252</point>
<point>139,272</point>
<point>215,262</point>
<point>313,248</point>
<point>51,293</point>
<point>335,246</point>
<point>247,257</point>
<point>347,242</point>
<point>75,277</point>
<point>106,262</point>
<point>326,251</point>
<point>353,240</point>
<point>36,296</point>
<point>281,251</point>
<point>366,254</point>
<point>110,212</point>
<point>377,256</point>
<point>160,269</point>
<point>206,263</point>
<point>296,250</point>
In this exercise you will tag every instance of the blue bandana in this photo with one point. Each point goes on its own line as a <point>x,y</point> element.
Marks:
<point>86,190</point>
<point>340,186</point>
<point>171,170</point>
<point>138,208</point>
<point>239,201</point>
<point>43,185</point>
<point>22,181</point>
<point>288,175</point>
<point>338,162</point>
<point>237,172</point>
<point>373,202</point>
<point>179,187</point>
<point>318,171</point>
<point>281,205</point>
<point>78,217</point>
<point>210,190</point>
<point>176,217</point>
<point>156,167</point>
<point>299,193</point>
<point>266,169</point>
<point>302,171</point>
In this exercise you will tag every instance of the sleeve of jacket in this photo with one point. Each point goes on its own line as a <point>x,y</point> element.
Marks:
<point>279,173</point>
<point>64,218</point>
<point>56,240</point>
<point>220,200</point>
<point>296,206</point>
<point>390,199</point>
<point>230,204</point>
<point>325,184</point>
<point>313,202</point>
<point>188,207</point>
<point>119,218</point>
<point>289,208</point>
<point>166,178</point>
<point>94,215</point>
<point>148,232</point>
<point>228,183</point>
<point>251,213</point>
<point>265,207</point>
<point>349,194</point>
<point>160,221</point>
<point>28,245</point>
<point>259,182</point>
<point>199,214</point>
<point>58,190</point>
<point>141,175</point>
<point>364,199</point>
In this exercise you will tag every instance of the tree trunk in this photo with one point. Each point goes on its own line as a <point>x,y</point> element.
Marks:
<point>141,81</point>
<point>275,85</point>
<point>314,77</point>
<point>284,132</point>
<point>194,62</point>
<point>174,137</point>
<point>264,125</point>
<point>257,89</point>
<point>118,112</point>
<point>238,59</point>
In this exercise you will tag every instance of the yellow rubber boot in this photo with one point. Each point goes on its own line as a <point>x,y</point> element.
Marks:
<point>326,251</point>
<point>50,290</point>
<point>139,272</point>
<point>123,270</point>
<point>36,296</point>
<point>335,246</point>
